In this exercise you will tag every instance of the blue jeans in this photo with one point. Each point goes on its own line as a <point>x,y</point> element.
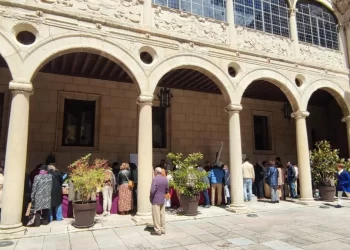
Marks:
<point>206,198</point>
<point>57,211</point>
<point>292,194</point>
<point>247,184</point>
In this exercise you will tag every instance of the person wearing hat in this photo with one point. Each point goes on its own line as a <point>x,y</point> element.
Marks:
<point>41,196</point>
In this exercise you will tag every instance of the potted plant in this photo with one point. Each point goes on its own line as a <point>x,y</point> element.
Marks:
<point>87,179</point>
<point>187,181</point>
<point>324,161</point>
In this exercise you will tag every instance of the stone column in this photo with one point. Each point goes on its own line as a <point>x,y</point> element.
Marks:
<point>294,30</point>
<point>344,43</point>
<point>236,180</point>
<point>347,120</point>
<point>230,17</point>
<point>16,156</point>
<point>147,13</point>
<point>303,156</point>
<point>145,155</point>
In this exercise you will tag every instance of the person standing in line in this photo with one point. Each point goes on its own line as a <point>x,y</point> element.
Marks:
<point>41,197</point>
<point>296,178</point>
<point>107,191</point>
<point>272,180</point>
<point>125,201</point>
<point>291,179</point>
<point>248,179</point>
<point>259,180</point>
<point>205,192</point>
<point>56,193</point>
<point>281,179</point>
<point>207,166</point>
<point>216,176</point>
<point>133,168</point>
<point>1,188</point>
<point>227,185</point>
<point>159,188</point>
<point>343,184</point>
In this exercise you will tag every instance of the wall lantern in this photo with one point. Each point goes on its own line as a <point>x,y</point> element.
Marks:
<point>164,97</point>
<point>287,110</point>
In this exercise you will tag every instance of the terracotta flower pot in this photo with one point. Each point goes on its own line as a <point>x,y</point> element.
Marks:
<point>189,204</point>
<point>84,214</point>
<point>327,193</point>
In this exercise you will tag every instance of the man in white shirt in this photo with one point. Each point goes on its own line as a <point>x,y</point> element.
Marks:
<point>248,179</point>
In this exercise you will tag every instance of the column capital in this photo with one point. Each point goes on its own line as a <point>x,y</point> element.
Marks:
<point>21,87</point>
<point>346,119</point>
<point>145,99</point>
<point>236,108</point>
<point>300,114</point>
<point>293,11</point>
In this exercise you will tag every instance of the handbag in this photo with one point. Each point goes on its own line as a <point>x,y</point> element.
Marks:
<point>130,183</point>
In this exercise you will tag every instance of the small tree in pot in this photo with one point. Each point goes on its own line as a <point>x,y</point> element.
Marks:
<point>187,181</point>
<point>324,167</point>
<point>86,179</point>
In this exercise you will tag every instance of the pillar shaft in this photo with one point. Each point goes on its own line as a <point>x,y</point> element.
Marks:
<point>145,156</point>
<point>230,17</point>
<point>347,121</point>
<point>16,156</point>
<point>303,156</point>
<point>236,176</point>
<point>294,31</point>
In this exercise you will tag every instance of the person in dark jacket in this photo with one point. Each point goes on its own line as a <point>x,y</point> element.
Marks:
<point>272,180</point>
<point>56,193</point>
<point>343,184</point>
<point>227,184</point>
<point>125,201</point>
<point>291,178</point>
<point>259,180</point>
<point>205,192</point>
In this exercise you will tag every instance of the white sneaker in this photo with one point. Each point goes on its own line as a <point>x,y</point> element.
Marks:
<point>105,213</point>
<point>109,213</point>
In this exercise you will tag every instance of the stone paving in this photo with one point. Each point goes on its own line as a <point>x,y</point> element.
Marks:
<point>284,226</point>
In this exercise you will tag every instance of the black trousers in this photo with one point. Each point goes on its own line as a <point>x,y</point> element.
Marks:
<point>41,218</point>
<point>259,186</point>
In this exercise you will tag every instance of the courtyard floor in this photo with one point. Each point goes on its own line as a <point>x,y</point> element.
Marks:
<point>287,226</point>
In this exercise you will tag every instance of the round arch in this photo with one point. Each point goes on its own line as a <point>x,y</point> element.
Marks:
<point>9,51</point>
<point>334,89</point>
<point>194,62</point>
<point>50,48</point>
<point>274,77</point>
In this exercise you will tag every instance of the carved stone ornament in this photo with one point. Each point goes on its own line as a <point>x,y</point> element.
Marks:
<point>346,119</point>
<point>190,26</point>
<point>191,47</point>
<point>145,99</point>
<point>342,5</point>
<point>300,114</point>
<point>23,87</point>
<point>321,56</point>
<point>262,42</point>
<point>127,11</point>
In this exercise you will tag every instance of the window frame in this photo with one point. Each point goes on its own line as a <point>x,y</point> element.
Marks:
<point>307,20</point>
<point>60,120</point>
<point>269,115</point>
<point>263,9</point>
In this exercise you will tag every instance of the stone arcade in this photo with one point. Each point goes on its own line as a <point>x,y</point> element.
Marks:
<point>233,72</point>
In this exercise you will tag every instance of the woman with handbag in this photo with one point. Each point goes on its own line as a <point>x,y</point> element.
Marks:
<point>125,187</point>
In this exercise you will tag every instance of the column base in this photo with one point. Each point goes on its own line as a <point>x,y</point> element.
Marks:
<point>10,229</point>
<point>143,219</point>
<point>238,209</point>
<point>306,201</point>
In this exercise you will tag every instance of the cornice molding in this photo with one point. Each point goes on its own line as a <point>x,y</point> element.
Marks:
<point>300,114</point>
<point>21,87</point>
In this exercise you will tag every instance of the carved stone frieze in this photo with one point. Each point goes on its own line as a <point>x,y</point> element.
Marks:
<point>342,5</point>
<point>265,43</point>
<point>191,47</point>
<point>190,26</point>
<point>126,11</point>
<point>321,56</point>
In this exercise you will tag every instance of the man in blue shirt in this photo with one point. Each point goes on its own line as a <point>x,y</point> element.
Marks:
<point>216,177</point>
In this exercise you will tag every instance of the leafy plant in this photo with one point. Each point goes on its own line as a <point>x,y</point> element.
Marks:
<point>87,178</point>
<point>187,180</point>
<point>324,163</point>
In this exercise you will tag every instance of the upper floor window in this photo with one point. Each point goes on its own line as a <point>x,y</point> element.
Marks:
<point>208,8</point>
<point>271,16</point>
<point>316,25</point>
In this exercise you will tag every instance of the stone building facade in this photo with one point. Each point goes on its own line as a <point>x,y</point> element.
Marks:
<point>234,77</point>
